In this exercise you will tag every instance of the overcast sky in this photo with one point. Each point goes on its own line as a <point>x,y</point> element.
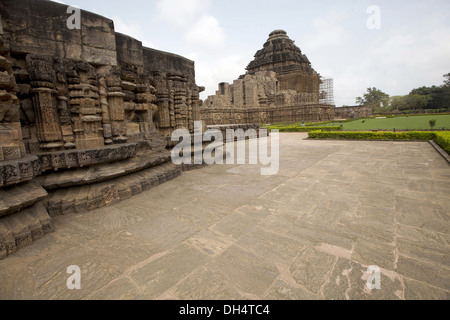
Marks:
<point>411,47</point>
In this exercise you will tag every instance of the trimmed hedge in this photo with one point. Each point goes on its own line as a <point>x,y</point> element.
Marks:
<point>365,135</point>
<point>307,129</point>
<point>441,138</point>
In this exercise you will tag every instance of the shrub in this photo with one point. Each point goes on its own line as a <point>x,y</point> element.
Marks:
<point>443,140</point>
<point>364,135</point>
<point>432,123</point>
<point>307,129</point>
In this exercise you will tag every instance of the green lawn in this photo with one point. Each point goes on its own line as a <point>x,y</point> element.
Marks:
<point>397,123</point>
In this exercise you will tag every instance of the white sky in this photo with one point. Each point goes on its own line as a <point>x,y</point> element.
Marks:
<point>411,48</point>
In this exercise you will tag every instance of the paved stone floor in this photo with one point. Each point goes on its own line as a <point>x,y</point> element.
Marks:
<point>226,232</point>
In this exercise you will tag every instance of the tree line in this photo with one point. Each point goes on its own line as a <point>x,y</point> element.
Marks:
<point>423,99</point>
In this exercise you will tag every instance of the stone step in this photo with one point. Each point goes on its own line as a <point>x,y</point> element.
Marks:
<point>97,195</point>
<point>13,172</point>
<point>78,158</point>
<point>95,174</point>
<point>193,165</point>
<point>16,198</point>
<point>22,228</point>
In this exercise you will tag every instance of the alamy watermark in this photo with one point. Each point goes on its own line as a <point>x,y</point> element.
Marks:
<point>74,21</point>
<point>214,152</point>
<point>74,280</point>
<point>374,20</point>
<point>374,280</point>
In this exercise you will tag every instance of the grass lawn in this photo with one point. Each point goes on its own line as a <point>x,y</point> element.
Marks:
<point>397,123</point>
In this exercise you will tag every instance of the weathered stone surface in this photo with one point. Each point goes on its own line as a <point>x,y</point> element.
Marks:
<point>206,285</point>
<point>176,248</point>
<point>310,268</point>
<point>85,98</point>
<point>17,198</point>
<point>348,281</point>
<point>271,246</point>
<point>22,228</point>
<point>90,197</point>
<point>160,274</point>
<point>415,290</point>
<point>286,291</point>
<point>432,273</point>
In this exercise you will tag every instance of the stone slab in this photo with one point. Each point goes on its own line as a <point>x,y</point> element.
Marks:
<point>174,242</point>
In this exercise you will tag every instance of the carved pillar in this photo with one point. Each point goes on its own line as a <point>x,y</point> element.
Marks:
<point>106,121</point>
<point>66,123</point>
<point>116,110</point>
<point>173,121</point>
<point>11,144</point>
<point>143,109</point>
<point>180,109</point>
<point>190,120</point>
<point>153,107</point>
<point>85,107</point>
<point>163,117</point>
<point>44,102</point>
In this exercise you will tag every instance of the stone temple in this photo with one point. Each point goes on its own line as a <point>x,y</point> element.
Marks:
<point>86,113</point>
<point>280,86</point>
<point>86,116</point>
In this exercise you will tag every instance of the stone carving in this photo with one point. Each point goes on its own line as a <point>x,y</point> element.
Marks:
<point>11,145</point>
<point>88,99</point>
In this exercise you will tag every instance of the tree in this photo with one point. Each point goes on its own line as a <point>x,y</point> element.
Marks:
<point>447,80</point>
<point>432,123</point>
<point>438,96</point>
<point>397,103</point>
<point>409,102</point>
<point>374,98</point>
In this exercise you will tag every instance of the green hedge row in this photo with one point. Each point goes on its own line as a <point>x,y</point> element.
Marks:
<point>441,138</point>
<point>299,124</point>
<point>365,135</point>
<point>307,129</point>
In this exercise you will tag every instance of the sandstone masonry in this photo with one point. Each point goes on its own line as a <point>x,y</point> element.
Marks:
<point>87,109</point>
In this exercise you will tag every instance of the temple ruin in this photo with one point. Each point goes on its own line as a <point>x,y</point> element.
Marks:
<point>280,86</point>
<point>86,115</point>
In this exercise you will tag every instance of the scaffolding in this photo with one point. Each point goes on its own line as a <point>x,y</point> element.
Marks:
<point>326,95</point>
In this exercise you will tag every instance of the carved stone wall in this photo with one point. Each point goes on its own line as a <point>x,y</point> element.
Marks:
<point>87,108</point>
<point>11,145</point>
<point>85,88</point>
<point>353,112</point>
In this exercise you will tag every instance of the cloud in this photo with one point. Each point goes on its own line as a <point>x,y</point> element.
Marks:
<point>210,74</point>
<point>395,59</point>
<point>206,32</point>
<point>406,58</point>
<point>193,21</point>
<point>132,29</point>
<point>328,31</point>
<point>181,13</point>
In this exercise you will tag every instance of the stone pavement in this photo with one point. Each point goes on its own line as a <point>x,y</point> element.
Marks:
<point>226,232</point>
